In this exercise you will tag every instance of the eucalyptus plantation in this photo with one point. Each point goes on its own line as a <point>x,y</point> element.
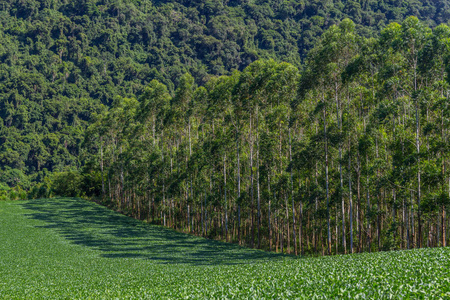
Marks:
<point>350,154</point>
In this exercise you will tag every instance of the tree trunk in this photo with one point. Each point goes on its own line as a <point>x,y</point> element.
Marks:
<point>338,118</point>
<point>292,194</point>
<point>326,179</point>
<point>300,223</point>
<point>101,167</point>
<point>369,230</point>
<point>238,187</point>
<point>252,238</point>
<point>350,197</point>
<point>225,195</point>
<point>419,225</point>
<point>358,209</point>
<point>288,248</point>
<point>258,193</point>
<point>269,214</point>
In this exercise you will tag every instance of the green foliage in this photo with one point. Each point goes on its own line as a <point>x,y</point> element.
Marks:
<point>67,184</point>
<point>60,61</point>
<point>71,184</point>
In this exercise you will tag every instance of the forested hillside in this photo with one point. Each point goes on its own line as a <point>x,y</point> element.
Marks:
<point>62,62</point>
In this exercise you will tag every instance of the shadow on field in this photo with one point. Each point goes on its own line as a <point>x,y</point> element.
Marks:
<point>117,236</point>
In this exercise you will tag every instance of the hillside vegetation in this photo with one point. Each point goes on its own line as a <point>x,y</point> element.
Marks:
<point>61,60</point>
<point>59,248</point>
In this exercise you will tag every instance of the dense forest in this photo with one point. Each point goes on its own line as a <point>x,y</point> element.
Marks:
<point>278,125</point>
<point>62,62</point>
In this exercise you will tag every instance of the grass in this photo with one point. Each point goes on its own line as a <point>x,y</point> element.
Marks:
<point>64,248</point>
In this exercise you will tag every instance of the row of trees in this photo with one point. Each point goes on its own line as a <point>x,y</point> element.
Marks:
<point>349,155</point>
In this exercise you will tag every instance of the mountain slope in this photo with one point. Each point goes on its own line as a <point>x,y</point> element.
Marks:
<point>61,62</point>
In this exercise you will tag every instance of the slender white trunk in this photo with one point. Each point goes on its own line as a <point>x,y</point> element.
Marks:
<point>338,118</point>
<point>292,194</point>
<point>326,178</point>
<point>101,166</point>
<point>238,186</point>
<point>258,192</point>
<point>225,195</point>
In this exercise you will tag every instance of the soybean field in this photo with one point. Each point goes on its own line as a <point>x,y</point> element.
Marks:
<point>64,248</point>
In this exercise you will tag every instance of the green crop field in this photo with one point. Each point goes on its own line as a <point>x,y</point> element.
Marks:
<point>70,248</point>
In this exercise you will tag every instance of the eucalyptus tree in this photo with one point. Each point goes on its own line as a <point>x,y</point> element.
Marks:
<point>178,120</point>
<point>326,63</point>
<point>239,93</point>
<point>412,40</point>
<point>248,97</point>
<point>362,79</point>
<point>221,110</point>
<point>309,81</point>
<point>197,110</point>
<point>154,105</point>
<point>341,48</point>
<point>434,105</point>
<point>119,122</point>
<point>280,89</point>
<point>391,114</point>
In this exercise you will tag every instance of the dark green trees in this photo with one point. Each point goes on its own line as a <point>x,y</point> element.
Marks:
<point>59,61</point>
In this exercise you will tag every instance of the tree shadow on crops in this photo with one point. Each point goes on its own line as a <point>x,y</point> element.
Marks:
<point>117,236</point>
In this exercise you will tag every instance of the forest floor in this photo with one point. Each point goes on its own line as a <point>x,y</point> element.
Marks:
<point>71,248</point>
